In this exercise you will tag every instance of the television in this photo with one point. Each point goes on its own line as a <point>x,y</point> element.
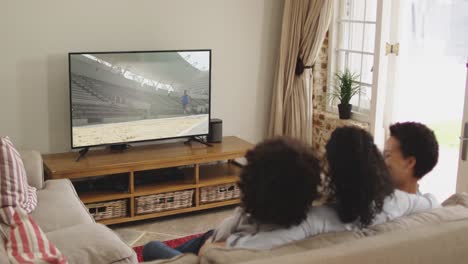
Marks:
<point>127,97</point>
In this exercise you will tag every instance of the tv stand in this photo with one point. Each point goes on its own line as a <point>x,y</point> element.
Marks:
<point>119,147</point>
<point>150,170</point>
<point>82,153</point>
<point>199,140</point>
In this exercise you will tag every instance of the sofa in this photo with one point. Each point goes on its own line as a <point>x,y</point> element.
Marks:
<point>436,236</point>
<point>66,222</point>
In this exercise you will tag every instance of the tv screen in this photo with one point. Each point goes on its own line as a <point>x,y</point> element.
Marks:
<point>123,97</point>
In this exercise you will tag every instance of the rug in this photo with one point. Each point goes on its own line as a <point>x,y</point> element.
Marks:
<point>171,243</point>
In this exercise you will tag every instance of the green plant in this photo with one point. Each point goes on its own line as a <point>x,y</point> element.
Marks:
<point>346,86</point>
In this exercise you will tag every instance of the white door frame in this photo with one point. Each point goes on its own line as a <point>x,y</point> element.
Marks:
<point>379,86</point>
<point>462,178</point>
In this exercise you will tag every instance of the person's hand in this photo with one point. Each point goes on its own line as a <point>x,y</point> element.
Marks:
<point>209,244</point>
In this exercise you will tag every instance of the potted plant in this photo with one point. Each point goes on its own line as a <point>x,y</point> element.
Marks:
<point>345,88</point>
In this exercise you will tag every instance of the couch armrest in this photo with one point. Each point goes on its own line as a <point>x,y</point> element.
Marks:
<point>91,244</point>
<point>34,169</point>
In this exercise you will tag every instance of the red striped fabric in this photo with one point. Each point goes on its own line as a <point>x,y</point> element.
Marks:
<point>25,241</point>
<point>14,188</point>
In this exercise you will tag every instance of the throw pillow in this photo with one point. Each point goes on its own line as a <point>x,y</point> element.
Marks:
<point>14,187</point>
<point>25,242</point>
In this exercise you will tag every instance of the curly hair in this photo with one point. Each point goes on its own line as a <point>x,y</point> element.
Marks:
<point>419,141</point>
<point>279,182</point>
<point>359,180</point>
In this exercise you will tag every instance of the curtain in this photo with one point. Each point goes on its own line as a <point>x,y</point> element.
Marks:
<point>305,24</point>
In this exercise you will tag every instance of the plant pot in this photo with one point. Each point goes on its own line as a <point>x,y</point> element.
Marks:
<point>344,111</point>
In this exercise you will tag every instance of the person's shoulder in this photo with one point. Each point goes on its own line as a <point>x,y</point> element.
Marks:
<point>323,212</point>
<point>399,195</point>
<point>427,199</point>
<point>321,209</point>
<point>432,198</point>
<point>397,199</point>
<point>324,218</point>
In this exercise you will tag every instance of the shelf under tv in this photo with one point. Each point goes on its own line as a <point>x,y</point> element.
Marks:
<point>202,167</point>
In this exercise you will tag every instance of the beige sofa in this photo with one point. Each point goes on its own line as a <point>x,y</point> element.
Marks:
<point>67,223</point>
<point>436,236</point>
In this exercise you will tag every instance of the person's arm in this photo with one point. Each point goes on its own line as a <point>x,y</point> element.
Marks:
<point>420,203</point>
<point>228,226</point>
<point>266,239</point>
<point>403,203</point>
<point>318,220</point>
<point>209,244</point>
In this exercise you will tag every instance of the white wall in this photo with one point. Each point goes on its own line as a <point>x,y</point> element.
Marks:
<point>35,37</point>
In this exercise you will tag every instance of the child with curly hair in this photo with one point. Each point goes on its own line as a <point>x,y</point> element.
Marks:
<point>278,184</point>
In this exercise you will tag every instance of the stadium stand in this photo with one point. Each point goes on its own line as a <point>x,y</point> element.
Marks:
<point>98,100</point>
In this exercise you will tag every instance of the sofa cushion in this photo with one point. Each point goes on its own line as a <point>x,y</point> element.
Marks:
<point>92,243</point>
<point>33,165</point>
<point>223,255</point>
<point>446,243</point>
<point>25,242</point>
<point>14,188</point>
<point>181,259</point>
<point>59,206</point>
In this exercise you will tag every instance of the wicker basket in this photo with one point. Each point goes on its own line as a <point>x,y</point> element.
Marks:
<point>164,202</point>
<point>107,210</point>
<point>219,193</point>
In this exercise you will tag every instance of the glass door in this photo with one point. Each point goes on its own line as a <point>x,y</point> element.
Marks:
<point>426,79</point>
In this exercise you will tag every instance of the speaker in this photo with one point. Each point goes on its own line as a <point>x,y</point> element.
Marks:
<point>216,131</point>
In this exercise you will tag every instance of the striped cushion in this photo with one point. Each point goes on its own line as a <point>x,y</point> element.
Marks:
<point>25,241</point>
<point>14,188</point>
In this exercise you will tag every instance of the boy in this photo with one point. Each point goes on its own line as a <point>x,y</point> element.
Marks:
<point>410,153</point>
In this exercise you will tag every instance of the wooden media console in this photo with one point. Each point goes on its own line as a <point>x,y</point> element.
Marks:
<point>200,168</point>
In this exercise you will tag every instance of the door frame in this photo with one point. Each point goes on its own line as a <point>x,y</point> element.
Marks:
<point>380,89</point>
<point>462,181</point>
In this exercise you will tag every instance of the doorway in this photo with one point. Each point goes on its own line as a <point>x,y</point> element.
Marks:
<point>427,79</point>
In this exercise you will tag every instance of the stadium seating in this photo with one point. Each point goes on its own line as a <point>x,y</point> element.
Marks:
<point>95,99</point>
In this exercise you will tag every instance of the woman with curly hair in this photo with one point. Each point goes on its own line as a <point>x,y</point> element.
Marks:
<point>278,184</point>
<point>361,193</point>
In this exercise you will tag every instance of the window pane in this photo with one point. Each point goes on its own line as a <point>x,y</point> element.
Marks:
<point>353,62</point>
<point>357,9</point>
<point>366,92</point>
<point>369,40</point>
<point>353,9</point>
<point>351,36</point>
<point>355,102</point>
<point>367,68</point>
<point>371,10</point>
<point>362,104</point>
<point>339,62</point>
<point>357,36</point>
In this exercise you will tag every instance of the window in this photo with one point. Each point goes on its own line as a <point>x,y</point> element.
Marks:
<point>352,46</point>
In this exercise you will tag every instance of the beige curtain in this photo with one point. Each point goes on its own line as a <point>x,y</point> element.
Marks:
<point>305,24</point>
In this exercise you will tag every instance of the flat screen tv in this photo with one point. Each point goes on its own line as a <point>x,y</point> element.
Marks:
<point>126,97</point>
